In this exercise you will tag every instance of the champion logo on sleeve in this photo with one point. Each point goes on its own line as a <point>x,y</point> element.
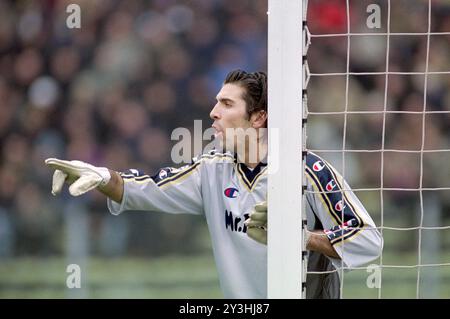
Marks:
<point>162,174</point>
<point>331,185</point>
<point>318,166</point>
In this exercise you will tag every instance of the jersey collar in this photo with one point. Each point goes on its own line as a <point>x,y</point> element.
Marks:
<point>250,176</point>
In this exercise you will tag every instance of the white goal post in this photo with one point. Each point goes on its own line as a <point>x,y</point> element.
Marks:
<point>286,140</point>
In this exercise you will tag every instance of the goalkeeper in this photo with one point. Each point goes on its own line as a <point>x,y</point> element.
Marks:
<point>225,185</point>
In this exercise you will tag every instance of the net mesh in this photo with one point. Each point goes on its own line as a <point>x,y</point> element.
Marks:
<point>398,108</point>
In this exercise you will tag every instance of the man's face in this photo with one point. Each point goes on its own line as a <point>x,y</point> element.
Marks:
<point>229,113</point>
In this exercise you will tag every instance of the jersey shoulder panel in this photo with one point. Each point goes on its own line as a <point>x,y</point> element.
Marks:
<point>214,156</point>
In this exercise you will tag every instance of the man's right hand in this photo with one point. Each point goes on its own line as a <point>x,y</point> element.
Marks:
<point>82,177</point>
<point>257,223</point>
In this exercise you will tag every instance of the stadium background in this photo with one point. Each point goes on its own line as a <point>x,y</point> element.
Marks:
<point>111,93</point>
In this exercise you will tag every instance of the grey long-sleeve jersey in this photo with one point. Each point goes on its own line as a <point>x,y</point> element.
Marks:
<point>224,191</point>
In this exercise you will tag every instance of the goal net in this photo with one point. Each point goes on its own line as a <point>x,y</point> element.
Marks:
<point>370,96</point>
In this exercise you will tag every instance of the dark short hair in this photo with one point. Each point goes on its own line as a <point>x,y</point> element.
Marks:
<point>255,89</point>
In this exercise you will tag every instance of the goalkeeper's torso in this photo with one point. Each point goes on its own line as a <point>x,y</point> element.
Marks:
<point>225,191</point>
<point>230,190</point>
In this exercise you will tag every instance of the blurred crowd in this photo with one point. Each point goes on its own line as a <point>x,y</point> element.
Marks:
<point>111,93</point>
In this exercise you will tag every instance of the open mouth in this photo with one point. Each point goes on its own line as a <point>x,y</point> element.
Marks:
<point>218,131</point>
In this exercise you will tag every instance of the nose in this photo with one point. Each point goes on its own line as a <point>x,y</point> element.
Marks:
<point>214,113</point>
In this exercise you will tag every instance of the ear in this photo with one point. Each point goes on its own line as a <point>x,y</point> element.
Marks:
<point>259,119</point>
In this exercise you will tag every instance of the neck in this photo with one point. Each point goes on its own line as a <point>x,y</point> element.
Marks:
<point>254,153</point>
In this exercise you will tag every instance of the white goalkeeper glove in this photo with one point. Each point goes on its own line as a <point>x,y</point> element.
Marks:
<point>82,177</point>
<point>257,224</point>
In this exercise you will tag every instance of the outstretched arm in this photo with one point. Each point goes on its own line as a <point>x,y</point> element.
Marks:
<point>171,190</point>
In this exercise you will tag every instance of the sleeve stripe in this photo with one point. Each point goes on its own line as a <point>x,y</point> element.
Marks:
<point>326,200</point>
<point>347,200</point>
<point>142,178</point>
<point>177,176</point>
<point>324,176</point>
<point>171,177</point>
<point>339,233</point>
<point>134,177</point>
<point>346,234</point>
